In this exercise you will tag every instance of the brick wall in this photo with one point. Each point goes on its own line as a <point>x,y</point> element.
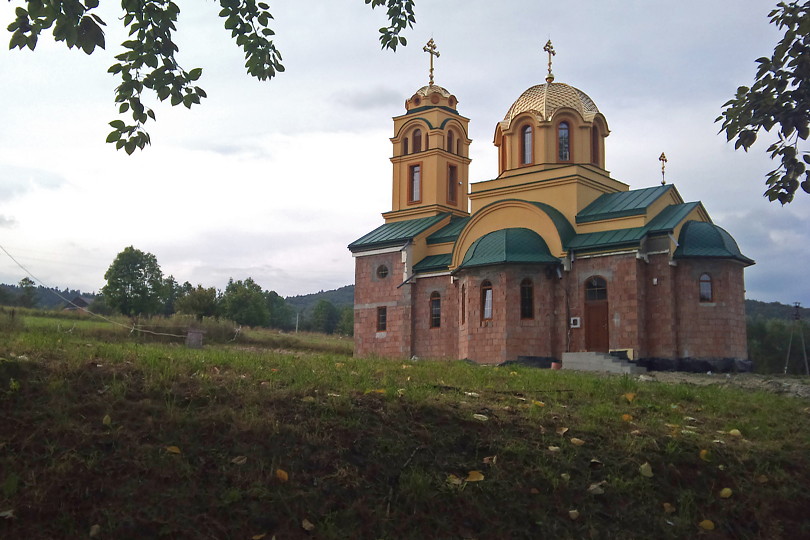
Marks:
<point>442,341</point>
<point>711,329</point>
<point>372,292</point>
<point>653,308</point>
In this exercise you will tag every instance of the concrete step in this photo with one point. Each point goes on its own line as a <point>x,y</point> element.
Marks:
<point>602,362</point>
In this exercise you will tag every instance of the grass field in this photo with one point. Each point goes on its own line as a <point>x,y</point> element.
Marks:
<point>115,436</point>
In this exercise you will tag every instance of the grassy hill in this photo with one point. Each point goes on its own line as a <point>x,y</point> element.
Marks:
<point>105,433</point>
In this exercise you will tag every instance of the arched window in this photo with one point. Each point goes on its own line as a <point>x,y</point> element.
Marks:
<point>435,310</point>
<point>526,145</point>
<point>463,304</point>
<point>405,146</point>
<point>414,183</point>
<point>526,299</point>
<point>452,184</point>
<point>563,142</point>
<point>595,289</point>
<point>451,146</point>
<point>705,288</point>
<point>417,140</point>
<point>486,301</point>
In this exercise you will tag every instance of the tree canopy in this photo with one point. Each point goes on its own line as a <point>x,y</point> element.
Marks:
<point>149,62</point>
<point>780,96</point>
<point>134,283</point>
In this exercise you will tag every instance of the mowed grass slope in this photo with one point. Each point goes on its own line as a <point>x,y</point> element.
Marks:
<point>131,439</point>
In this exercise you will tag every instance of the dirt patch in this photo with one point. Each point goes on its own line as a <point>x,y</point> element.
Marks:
<point>793,386</point>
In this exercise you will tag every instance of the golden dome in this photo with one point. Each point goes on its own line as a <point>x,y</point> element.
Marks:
<point>431,95</point>
<point>425,90</point>
<point>544,100</point>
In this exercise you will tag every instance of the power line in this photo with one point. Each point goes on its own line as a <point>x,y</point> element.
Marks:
<point>131,329</point>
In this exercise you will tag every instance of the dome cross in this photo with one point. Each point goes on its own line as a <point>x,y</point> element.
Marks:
<point>549,48</point>
<point>663,159</point>
<point>430,48</point>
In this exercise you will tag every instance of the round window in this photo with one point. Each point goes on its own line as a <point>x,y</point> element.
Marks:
<point>382,271</point>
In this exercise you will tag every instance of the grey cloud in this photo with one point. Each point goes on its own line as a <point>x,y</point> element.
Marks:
<point>15,181</point>
<point>7,222</point>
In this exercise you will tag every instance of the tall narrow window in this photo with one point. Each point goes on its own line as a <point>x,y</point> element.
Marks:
<point>594,145</point>
<point>452,184</point>
<point>503,154</point>
<point>405,146</point>
<point>417,140</point>
<point>414,183</point>
<point>527,299</point>
<point>705,287</point>
<point>563,142</point>
<point>486,301</point>
<point>463,304</point>
<point>435,310</point>
<point>451,145</point>
<point>382,319</point>
<point>526,145</point>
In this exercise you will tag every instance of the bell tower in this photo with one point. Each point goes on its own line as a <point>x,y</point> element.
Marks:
<point>430,155</point>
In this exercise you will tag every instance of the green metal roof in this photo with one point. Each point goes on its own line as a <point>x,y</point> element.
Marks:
<point>392,234</point>
<point>668,219</point>
<point>564,228</point>
<point>433,263</point>
<point>705,240</point>
<point>606,239</point>
<point>664,222</point>
<point>449,232</point>
<point>508,246</point>
<point>621,204</point>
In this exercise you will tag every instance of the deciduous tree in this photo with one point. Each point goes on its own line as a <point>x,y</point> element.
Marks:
<point>325,317</point>
<point>779,98</point>
<point>149,62</point>
<point>243,302</point>
<point>134,283</point>
<point>200,302</point>
<point>28,296</point>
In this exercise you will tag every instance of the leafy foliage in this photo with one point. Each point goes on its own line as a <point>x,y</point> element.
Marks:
<point>325,317</point>
<point>244,303</point>
<point>780,96</point>
<point>134,283</point>
<point>149,59</point>
<point>29,293</point>
<point>200,302</point>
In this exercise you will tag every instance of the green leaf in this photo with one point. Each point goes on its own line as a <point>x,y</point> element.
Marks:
<point>118,124</point>
<point>114,136</point>
<point>194,74</point>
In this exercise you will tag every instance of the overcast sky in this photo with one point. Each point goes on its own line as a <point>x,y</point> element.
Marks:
<point>272,180</point>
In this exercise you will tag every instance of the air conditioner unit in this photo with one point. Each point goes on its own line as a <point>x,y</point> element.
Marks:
<point>576,322</point>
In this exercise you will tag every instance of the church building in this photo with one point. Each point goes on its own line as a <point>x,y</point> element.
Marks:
<point>551,257</point>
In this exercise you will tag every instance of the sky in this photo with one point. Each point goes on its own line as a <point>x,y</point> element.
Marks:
<point>272,180</point>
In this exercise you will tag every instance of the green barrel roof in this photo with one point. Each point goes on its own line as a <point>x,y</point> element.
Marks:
<point>508,246</point>
<point>700,239</point>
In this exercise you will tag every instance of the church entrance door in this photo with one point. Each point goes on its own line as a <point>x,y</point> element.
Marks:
<point>597,333</point>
